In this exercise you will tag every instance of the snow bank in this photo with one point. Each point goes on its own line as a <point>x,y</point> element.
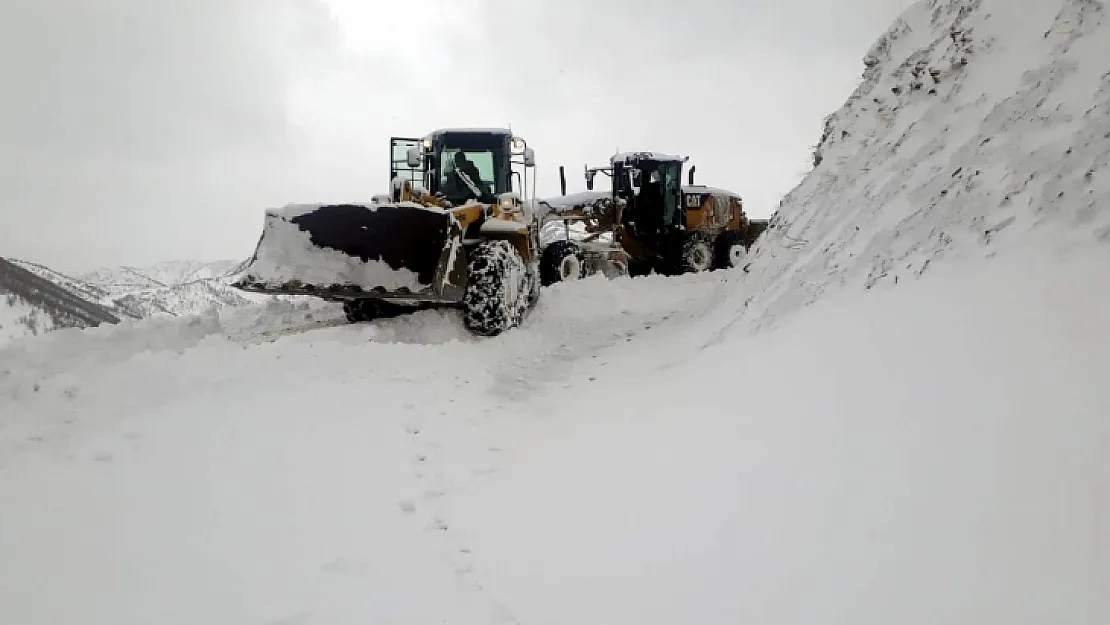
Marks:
<point>981,127</point>
<point>26,363</point>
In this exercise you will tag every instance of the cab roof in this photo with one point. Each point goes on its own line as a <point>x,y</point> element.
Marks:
<point>627,157</point>
<point>487,131</point>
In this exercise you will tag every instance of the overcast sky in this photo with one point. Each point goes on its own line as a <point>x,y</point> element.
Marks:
<point>137,131</point>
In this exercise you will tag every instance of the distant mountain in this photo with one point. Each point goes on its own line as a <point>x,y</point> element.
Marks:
<point>177,288</point>
<point>35,300</point>
<point>127,280</point>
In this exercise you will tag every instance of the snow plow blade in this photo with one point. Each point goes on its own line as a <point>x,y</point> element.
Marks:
<point>402,251</point>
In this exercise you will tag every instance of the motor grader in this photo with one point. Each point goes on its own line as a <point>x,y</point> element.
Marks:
<point>651,220</point>
<point>453,231</point>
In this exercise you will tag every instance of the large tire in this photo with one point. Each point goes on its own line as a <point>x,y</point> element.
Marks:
<point>499,288</point>
<point>697,255</point>
<point>561,261</point>
<point>730,250</point>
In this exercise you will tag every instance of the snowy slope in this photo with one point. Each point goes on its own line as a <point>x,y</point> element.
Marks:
<point>175,288</point>
<point>77,286</point>
<point>125,280</point>
<point>18,318</point>
<point>981,126</point>
<point>635,454</point>
<point>33,302</point>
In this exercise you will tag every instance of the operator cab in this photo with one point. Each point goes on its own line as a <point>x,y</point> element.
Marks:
<point>463,165</point>
<point>651,185</point>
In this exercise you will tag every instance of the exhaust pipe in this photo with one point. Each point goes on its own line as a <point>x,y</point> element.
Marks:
<point>562,180</point>
<point>692,175</point>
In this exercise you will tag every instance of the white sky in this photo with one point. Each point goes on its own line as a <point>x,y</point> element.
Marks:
<point>145,130</point>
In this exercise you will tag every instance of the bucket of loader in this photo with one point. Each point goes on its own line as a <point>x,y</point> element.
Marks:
<point>393,251</point>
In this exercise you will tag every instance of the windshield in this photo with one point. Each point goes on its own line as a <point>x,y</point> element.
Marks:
<point>478,159</point>
<point>482,162</point>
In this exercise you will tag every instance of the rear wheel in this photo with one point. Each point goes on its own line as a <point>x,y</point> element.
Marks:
<point>499,288</point>
<point>730,250</point>
<point>561,261</point>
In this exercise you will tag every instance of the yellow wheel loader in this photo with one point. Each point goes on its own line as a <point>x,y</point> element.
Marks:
<point>454,231</point>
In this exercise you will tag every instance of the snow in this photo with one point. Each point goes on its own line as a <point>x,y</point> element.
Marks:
<point>897,415</point>
<point>127,280</point>
<point>572,471</point>
<point>1011,151</point>
<point>19,319</point>
<point>495,225</point>
<point>579,199</point>
<point>591,203</point>
<point>700,188</point>
<point>656,156</point>
<point>82,288</point>
<point>285,253</point>
<point>177,288</point>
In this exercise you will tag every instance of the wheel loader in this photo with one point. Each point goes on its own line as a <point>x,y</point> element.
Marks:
<point>453,231</point>
<point>654,222</point>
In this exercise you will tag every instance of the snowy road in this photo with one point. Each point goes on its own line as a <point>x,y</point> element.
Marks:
<point>866,457</point>
<point>229,471</point>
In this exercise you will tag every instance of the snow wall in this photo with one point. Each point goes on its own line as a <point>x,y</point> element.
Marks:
<point>980,127</point>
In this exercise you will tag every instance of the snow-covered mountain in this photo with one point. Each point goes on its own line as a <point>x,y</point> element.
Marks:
<point>126,280</point>
<point>35,300</point>
<point>897,414</point>
<point>174,288</point>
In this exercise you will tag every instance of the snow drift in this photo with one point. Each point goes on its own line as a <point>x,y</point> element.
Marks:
<point>931,453</point>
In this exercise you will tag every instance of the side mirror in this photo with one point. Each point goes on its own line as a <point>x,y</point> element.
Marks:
<point>529,157</point>
<point>412,157</point>
<point>590,179</point>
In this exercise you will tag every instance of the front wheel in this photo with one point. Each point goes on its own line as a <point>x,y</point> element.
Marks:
<point>498,290</point>
<point>696,256</point>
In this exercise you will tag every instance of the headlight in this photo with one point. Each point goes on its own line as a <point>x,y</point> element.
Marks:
<point>506,202</point>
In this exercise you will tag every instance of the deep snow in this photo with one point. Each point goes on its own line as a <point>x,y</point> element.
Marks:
<point>902,457</point>
<point>804,443</point>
